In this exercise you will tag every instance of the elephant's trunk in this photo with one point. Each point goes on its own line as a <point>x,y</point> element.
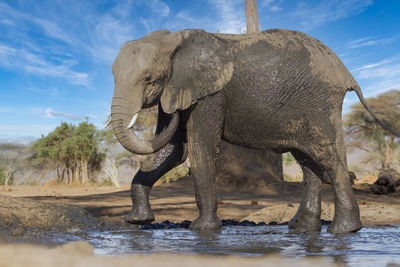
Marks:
<point>120,118</point>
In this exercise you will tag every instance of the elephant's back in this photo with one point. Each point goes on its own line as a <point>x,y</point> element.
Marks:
<point>322,61</point>
<point>278,88</point>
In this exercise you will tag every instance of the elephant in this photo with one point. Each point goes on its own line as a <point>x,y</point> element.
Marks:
<point>278,90</point>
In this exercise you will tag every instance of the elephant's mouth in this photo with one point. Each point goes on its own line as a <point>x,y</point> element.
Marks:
<point>122,124</point>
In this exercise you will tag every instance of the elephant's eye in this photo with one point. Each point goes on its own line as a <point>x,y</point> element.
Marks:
<point>147,78</point>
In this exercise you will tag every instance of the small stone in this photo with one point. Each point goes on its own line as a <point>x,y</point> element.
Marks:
<point>254,202</point>
<point>220,203</point>
<point>290,205</point>
<point>18,231</point>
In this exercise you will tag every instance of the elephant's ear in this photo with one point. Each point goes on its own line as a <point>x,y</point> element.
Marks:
<point>200,67</point>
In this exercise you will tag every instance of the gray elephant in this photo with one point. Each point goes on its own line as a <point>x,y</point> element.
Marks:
<point>278,90</point>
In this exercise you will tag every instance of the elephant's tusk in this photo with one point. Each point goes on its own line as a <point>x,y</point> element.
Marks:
<point>132,121</point>
<point>108,122</point>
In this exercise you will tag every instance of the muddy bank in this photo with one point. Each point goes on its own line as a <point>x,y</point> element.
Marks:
<point>81,254</point>
<point>371,213</point>
<point>31,221</point>
<point>37,214</point>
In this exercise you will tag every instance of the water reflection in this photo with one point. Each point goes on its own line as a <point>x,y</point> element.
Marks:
<point>369,247</point>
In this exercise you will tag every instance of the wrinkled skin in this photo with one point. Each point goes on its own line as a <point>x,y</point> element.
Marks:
<point>278,90</point>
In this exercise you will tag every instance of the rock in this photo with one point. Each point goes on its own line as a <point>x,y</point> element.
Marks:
<point>18,231</point>
<point>387,182</point>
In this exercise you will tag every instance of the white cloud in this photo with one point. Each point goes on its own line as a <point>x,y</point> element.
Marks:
<point>369,41</point>
<point>186,17</point>
<point>50,113</point>
<point>33,63</point>
<point>266,3</point>
<point>160,7</point>
<point>108,32</point>
<point>272,5</point>
<point>381,76</point>
<point>373,65</point>
<point>275,9</point>
<point>7,22</point>
<point>54,31</point>
<point>312,15</point>
<point>51,29</point>
<point>231,15</point>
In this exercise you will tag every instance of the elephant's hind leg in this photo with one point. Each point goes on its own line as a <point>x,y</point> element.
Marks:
<point>332,159</point>
<point>347,213</point>
<point>204,136</point>
<point>308,216</point>
<point>170,156</point>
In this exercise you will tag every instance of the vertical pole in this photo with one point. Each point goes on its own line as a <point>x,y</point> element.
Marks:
<point>252,16</point>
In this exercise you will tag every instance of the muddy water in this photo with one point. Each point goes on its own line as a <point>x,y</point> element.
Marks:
<point>375,246</point>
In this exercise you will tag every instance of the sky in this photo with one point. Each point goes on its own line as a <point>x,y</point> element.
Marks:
<point>56,55</point>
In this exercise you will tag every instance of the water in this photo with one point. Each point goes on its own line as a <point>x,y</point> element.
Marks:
<point>375,246</point>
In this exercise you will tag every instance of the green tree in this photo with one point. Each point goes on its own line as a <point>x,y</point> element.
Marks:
<point>366,135</point>
<point>72,150</point>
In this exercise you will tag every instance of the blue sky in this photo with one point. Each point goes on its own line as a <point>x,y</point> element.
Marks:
<point>56,55</point>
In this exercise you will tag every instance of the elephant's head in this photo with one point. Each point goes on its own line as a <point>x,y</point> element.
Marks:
<point>171,69</point>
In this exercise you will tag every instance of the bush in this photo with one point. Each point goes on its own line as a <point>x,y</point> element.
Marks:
<point>106,182</point>
<point>5,175</point>
<point>288,159</point>
<point>291,179</point>
<point>175,174</point>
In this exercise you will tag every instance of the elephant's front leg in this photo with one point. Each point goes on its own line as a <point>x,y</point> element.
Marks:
<point>308,216</point>
<point>204,137</point>
<point>170,156</point>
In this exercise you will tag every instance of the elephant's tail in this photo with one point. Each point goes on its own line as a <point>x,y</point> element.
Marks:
<point>382,122</point>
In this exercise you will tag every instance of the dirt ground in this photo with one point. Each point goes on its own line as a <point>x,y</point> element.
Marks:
<point>175,201</point>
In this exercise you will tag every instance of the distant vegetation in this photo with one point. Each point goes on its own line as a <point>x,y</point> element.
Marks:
<point>362,132</point>
<point>10,155</point>
<point>72,150</point>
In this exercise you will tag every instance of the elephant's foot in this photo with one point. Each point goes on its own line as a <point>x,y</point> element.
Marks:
<point>140,215</point>
<point>305,222</point>
<point>206,222</point>
<point>342,225</point>
<point>141,211</point>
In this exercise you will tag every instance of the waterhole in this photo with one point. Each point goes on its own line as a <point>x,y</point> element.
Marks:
<point>371,246</point>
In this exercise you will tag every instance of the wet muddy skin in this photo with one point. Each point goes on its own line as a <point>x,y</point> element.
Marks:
<point>373,246</point>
